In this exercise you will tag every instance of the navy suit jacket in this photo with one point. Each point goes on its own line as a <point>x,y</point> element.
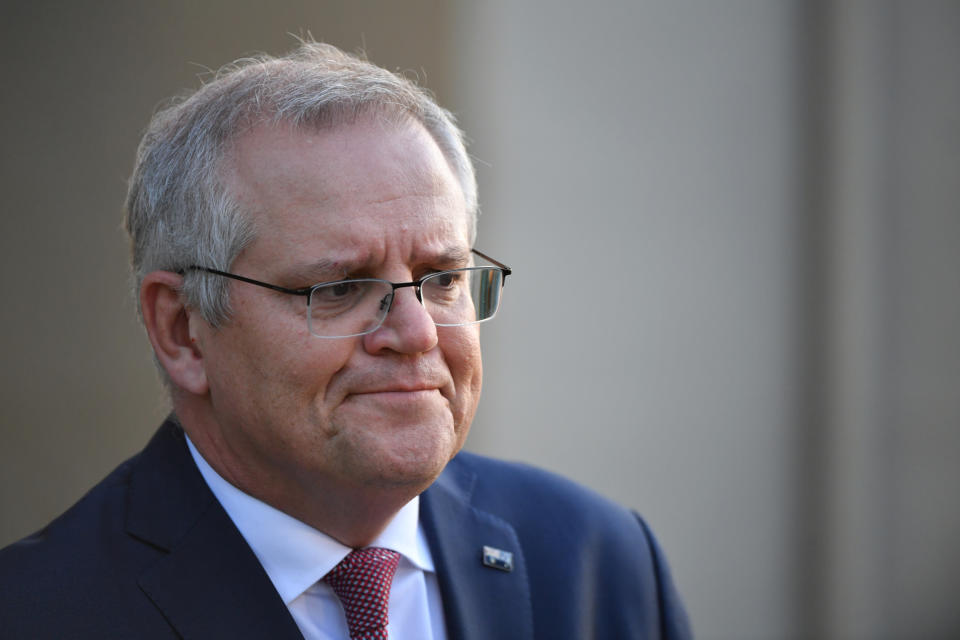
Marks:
<point>150,553</point>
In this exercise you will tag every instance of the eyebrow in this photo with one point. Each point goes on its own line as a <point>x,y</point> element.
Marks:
<point>328,269</point>
<point>452,256</point>
<point>320,271</point>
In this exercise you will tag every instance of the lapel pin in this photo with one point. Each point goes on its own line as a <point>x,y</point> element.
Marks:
<point>497,559</point>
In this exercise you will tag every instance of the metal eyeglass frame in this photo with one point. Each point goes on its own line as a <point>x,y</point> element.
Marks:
<point>306,291</point>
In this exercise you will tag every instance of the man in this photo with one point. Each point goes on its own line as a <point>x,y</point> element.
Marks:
<point>308,481</point>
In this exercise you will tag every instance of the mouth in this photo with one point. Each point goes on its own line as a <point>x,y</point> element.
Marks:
<point>399,400</point>
<point>397,385</point>
<point>399,392</point>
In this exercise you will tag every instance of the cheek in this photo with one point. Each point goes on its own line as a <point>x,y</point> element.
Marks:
<point>462,352</point>
<point>312,365</point>
<point>282,361</point>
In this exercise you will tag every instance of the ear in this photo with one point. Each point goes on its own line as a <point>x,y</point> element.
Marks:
<point>170,331</point>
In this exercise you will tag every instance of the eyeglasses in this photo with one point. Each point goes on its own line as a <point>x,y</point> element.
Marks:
<point>355,307</point>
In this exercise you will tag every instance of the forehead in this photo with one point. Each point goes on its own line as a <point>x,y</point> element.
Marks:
<point>361,188</point>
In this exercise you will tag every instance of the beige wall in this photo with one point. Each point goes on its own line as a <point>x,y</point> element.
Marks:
<point>736,242</point>
<point>641,181</point>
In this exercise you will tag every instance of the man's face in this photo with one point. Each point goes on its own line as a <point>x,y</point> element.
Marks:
<point>293,413</point>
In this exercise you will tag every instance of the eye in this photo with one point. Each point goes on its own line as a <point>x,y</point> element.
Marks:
<point>341,289</point>
<point>336,291</point>
<point>446,279</point>
<point>338,295</point>
<point>445,288</point>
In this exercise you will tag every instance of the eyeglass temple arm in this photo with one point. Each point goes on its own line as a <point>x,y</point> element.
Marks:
<point>506,270</point>
<point>296,292</point>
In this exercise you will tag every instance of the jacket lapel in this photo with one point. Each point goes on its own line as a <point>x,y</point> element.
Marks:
<point>208,583</point>
<point>481,599</point>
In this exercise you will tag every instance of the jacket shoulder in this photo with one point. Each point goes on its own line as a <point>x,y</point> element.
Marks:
<point>584,552</point>
<point>96,515</point>
<point>519,491</point>
<point>77,576</point>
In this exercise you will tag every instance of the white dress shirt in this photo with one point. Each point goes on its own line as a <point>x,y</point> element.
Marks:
<point>296,557</point>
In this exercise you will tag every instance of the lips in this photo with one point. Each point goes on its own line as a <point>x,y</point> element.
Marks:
<point>398,402</point>
<point>415,379</point>
<point>395,389</point>
<point>398,395</point>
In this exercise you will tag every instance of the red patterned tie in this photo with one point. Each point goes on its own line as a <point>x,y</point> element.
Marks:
<point>362,582</point>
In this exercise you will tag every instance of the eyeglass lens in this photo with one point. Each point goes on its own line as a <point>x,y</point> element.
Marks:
<point>452,298</point>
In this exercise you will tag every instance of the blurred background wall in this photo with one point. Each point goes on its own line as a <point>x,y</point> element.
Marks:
<point>736,235</point>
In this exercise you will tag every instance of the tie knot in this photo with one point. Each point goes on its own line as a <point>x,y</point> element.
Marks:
<point>362,582</point>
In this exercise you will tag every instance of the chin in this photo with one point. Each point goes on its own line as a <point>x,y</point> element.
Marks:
<point>383,451</point>
<point>415,466</point>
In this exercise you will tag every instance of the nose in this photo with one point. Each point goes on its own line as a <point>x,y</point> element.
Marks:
<point>408,327</point>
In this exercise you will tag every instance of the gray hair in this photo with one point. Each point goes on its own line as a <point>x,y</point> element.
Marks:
<point>178,211</point>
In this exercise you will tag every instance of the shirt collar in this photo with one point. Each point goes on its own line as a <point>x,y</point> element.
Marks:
<point>294,554</point>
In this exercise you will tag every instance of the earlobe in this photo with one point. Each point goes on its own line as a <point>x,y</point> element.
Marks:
<point>168,325</point>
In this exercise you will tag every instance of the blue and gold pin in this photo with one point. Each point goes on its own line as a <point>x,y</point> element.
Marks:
<point>497,559</point>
